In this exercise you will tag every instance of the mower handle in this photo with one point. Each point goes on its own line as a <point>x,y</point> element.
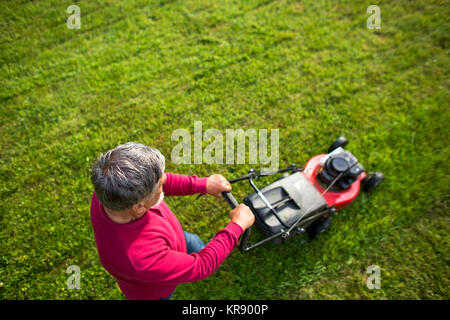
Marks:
<point>233,204</point>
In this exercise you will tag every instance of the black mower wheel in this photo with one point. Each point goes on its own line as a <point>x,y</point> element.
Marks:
<point>318,227</point>
<point>340,142</point>
<point>370,183</point>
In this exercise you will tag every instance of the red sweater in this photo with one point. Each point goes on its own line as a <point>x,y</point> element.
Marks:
<point>148,256</point>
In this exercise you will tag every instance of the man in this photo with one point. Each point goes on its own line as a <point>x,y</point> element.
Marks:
<point>139,240</point>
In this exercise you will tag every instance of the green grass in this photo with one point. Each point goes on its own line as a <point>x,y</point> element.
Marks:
<point>138,70</point>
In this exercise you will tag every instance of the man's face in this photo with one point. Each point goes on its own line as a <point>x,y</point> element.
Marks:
<point>153,200</point>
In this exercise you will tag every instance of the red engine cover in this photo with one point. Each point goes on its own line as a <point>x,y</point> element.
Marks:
<point>336,199</point>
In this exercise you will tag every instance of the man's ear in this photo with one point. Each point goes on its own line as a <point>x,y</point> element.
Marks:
<point>139,208</point>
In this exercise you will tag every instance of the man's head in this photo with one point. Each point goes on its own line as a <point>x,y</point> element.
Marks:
<point>129,176</point>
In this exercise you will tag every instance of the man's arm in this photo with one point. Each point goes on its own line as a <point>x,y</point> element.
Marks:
<point>180,185</point>
<point>169,266</point>
<point>172,267</point>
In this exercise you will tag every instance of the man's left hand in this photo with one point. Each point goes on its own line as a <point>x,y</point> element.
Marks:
<point>216,184</point>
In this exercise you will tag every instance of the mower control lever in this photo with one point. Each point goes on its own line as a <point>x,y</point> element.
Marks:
<point>233,204</point>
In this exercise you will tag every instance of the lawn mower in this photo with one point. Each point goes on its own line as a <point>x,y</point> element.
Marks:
<point>304,199</point>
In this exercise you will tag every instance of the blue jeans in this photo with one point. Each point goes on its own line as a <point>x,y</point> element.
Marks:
<point>193,244</point>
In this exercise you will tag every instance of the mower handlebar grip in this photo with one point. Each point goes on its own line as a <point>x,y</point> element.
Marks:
<point>233,204</point>
<point>230,199</point>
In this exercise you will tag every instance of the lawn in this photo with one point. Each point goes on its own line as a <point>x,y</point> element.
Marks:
<point>138,70</point>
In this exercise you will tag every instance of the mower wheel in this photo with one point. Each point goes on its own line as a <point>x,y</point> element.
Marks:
<point>340,142</point>
<point>317,227</point>
<point>369,183</point>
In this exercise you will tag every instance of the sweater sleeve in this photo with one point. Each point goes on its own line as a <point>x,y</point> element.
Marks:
<point>181,185</point>
<point>173,267</point>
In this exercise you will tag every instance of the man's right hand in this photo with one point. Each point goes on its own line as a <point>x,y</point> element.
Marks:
<point>243,216</point>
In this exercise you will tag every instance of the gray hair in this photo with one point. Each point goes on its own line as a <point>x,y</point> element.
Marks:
<point>126,175</point>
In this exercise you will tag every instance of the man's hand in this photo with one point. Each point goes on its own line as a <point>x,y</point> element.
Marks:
<point>216,184</point>
<point>243,216</point>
